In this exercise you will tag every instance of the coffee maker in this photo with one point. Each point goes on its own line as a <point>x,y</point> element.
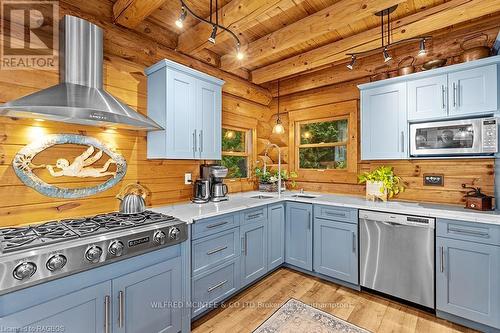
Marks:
<point>210,186</point>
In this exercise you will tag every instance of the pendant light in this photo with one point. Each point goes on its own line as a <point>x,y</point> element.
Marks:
<point>278,127</point>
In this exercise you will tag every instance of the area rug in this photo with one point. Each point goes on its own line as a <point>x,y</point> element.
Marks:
<point>297,317</point>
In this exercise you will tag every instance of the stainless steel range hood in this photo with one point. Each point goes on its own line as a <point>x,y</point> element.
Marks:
<point>80,97</point>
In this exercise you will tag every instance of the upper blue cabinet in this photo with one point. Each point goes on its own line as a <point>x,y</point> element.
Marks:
<point>188,104</point>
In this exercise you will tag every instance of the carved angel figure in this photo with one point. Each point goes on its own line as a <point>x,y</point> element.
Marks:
<point>81,166</point>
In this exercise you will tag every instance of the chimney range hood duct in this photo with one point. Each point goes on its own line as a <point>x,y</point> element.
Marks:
<point>80,97</point>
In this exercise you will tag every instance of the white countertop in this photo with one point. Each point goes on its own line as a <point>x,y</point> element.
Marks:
<point>191,212</point>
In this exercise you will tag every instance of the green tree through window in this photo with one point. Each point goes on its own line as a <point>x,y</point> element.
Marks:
<point>235,152</point>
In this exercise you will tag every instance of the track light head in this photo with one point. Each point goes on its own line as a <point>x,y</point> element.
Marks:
<point>350,66</point>
<point>180,21</point>
<point>213,34</point>
<point>387,56</point>
<point>423,51</point>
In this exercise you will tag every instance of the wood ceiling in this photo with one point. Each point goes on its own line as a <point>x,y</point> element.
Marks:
<point>282,38</point>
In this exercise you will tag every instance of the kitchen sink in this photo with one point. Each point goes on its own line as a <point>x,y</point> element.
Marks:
<point>261,196</point>
<point>305,196</point>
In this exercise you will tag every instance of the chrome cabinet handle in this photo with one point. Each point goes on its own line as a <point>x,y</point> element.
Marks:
<point>402,141</point>
<point>454,94</point>
<point>222,248</point>
<point>246,245</point>
<point>121,304</point>
<point>353,242</point>
<point>251,217</point>
<point>309,220</point>
<point>441,249</point>
<point>194,143</point>
<point>443,94</point>
<point>218,285</point>
<point>201,141</point>
<point>469,232</point>
<point>216,224</point>
<point>335,214</point>
<point>243,245</point>
<point>106,313</point>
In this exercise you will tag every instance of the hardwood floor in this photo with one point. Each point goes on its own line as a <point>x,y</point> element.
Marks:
<point>247,310</point>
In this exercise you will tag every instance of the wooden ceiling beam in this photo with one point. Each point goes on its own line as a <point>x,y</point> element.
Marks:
<point>421,23</point>
<point>129,13</point>
<point>339,15</point>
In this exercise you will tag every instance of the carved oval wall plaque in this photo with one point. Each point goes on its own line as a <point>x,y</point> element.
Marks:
<point>81,166</point>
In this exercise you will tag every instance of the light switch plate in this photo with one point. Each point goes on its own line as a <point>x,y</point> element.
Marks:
<point>433,179</point>
<point>188,179</point>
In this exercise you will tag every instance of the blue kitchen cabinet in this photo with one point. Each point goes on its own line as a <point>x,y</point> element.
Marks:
<point>468,280</point>
<point>336,249</point>
<point>82,311</point>
<point>253,251</point>
<point>428,98</point>
<point>384,128</point>
<point>473,91</point>
<point>275,236</point>
<point>298,235</point>
<point>188,105</point>
<point>153,293</point>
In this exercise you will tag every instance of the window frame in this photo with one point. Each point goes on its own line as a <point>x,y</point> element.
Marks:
<point>336,111</point>
<point>248,149</point>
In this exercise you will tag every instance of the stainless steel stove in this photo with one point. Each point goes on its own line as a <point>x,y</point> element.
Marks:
<point>38,253</point>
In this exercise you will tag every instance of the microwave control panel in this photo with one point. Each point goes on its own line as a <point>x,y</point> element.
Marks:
<point>490,139</point>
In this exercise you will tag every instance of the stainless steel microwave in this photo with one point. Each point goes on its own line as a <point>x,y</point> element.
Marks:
<point>454,137</point>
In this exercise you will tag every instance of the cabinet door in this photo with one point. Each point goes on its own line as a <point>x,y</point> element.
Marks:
<point>82,311</point>
<point>208,98</point>
<point>276,236</point>
<point>384,123</point>
<point>149,300</point>
<point>473,91</point>
<point>427,98</point>
<point>254,251</point>
<point>180,131</point>
<point>336,249</point>
<point>468,280</point>
<point>298,235</point>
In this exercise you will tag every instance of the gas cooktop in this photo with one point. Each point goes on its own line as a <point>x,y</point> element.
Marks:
<point>38,253</point>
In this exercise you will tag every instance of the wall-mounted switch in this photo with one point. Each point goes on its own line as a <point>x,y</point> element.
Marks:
<point>188,179</point>
<point>433,180</point>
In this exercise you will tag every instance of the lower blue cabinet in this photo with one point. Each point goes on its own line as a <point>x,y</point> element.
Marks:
<point>253,251</point>
<point>298,235</point>
<point>153,293</point>
<point>336,249</point>
<point>468,280</point>
<point>275,236</point>
<point>82,311</point>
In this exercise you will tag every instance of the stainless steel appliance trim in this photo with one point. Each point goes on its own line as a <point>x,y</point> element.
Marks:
<point>121,304</point>
<point>106,313</point>
<point>214,225</point>
<point>218,285</point>
<point>222,248</point>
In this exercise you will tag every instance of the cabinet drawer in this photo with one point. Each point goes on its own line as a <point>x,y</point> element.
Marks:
<point>212,250</point>
<point>253,215</point>
<point>471,231</point>
<point>214,286</point>
<point>336,213</point>
<point>212,225</point>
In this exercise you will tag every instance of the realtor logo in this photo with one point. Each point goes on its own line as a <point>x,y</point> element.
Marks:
<point>30,35</point>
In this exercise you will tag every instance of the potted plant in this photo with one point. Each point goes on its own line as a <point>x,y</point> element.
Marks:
<point>268,180</point>
<point>381,183</point>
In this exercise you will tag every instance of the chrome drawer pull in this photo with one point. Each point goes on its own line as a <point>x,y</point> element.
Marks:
<point>106,313</point>
<point>443,92</point>
<point>469,232</point>
<point>335,214</point>
<point>218,285</point>
<point>217,224</point>
<point>121,304</point>
<point>250,217</point>
<point>353,242</point>
<point>441,249</point>
<point>216,250</point>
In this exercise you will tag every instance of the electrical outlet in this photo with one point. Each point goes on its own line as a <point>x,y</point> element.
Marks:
<point>188,179</point>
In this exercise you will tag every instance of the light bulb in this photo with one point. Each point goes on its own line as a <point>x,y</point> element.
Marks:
<point>180,21</point>
<point>278,127</point>
<point>423,50</point>
<point>351,64</point>
<point>387,56</point>
<point>240,55</point>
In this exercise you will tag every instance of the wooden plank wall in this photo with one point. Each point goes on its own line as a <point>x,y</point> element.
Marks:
<point>336,84</point>
<point>123,77</point>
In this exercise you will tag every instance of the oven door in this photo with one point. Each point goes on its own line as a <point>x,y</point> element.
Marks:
<point>446,138</point>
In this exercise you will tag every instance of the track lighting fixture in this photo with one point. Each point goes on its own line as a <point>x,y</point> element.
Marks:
<point>423,50</point>
<point>213,34</point>
<point>387,56</point>
<point>353,61</point>
<point>214,23</point>
<point>180,21</point>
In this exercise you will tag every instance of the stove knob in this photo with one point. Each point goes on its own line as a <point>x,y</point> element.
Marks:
<point>24,270</point>
<point>93,253</point>
<point>174,233</point>
<point>160,237</point>
<point>56,262</point>
<point>116,248</point>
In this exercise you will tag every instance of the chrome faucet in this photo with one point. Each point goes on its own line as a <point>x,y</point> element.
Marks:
<point>279,164</point>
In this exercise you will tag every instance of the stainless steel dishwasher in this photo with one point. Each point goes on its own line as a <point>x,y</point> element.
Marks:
<point>397,255</point>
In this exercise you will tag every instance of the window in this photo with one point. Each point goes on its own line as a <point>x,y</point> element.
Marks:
<point>322,143</point>
<point>236,151</point>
